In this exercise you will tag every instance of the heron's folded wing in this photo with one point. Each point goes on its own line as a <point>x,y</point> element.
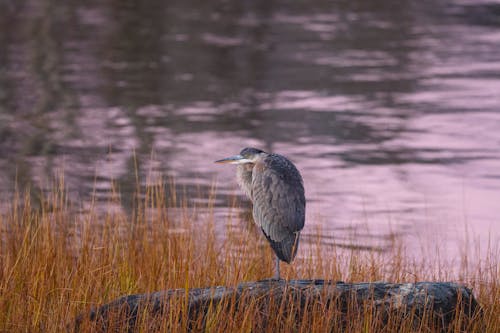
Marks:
<point>278,198</point>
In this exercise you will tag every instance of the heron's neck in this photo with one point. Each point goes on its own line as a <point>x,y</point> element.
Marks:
<point>244,178</point>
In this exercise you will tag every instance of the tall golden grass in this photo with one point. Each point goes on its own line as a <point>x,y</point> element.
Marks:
<point>57,261</point>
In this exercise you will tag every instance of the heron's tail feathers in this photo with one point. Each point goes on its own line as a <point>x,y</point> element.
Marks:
<point>286,249</point>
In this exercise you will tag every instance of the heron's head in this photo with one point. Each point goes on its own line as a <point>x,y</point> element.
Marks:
<point>247,155</point>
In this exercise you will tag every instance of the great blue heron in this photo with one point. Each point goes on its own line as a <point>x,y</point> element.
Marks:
<point>275,187</point>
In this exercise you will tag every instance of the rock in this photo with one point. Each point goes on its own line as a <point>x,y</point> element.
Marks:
<point>440,303</point>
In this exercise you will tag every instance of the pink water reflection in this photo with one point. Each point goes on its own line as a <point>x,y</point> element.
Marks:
<point>390,112</point>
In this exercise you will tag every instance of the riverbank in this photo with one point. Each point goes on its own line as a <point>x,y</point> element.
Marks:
<point>56,264</point>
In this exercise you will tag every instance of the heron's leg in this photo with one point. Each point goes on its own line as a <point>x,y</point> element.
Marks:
<point>277,269</point>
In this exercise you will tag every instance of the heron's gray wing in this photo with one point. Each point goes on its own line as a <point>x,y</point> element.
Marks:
<point>279,203</point>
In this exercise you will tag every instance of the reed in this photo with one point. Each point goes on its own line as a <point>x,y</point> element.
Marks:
<point>58,260</point>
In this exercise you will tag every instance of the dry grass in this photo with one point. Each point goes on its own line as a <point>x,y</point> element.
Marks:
<point>54,264</point>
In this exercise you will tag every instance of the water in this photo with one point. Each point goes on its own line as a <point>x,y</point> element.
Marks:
<point>390,109</point>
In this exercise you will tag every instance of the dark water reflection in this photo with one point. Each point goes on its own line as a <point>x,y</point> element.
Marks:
<point>391,109</point>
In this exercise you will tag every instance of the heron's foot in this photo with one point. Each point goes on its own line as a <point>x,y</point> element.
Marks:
<point>272,279</point>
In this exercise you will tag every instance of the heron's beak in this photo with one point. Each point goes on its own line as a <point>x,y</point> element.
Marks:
<point>236,159</point>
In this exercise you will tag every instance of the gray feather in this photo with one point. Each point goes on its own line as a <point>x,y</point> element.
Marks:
<point>278,203</point>
<point>287,248</point>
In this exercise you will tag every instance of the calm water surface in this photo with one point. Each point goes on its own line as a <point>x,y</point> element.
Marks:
<point>390,109</point>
